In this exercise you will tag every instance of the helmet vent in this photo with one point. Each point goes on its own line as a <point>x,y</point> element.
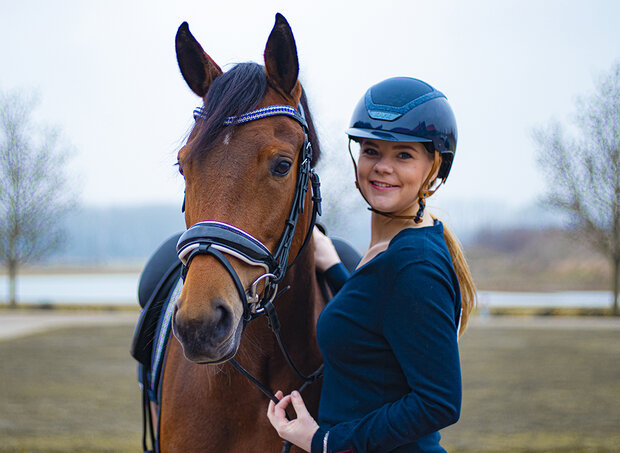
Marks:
<point>383,115</point>
<point>392,112</point>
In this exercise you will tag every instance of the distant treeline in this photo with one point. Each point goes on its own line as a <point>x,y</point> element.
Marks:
<point>507,248</point>
<point>527,259</point>
<point>99,235</point>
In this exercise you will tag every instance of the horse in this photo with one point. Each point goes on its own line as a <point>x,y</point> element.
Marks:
<point>242,185</point>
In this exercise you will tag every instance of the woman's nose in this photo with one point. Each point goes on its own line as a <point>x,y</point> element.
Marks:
<point>383,166</point>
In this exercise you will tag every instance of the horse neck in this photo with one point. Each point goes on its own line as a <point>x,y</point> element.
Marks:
<point>301,305</point>
<point>303,301</point>
<point>298,309</point>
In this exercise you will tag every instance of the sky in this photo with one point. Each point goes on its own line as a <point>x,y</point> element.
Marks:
<point>106,75</point>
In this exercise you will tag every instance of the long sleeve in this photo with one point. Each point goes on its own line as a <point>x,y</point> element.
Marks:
<point>336,276</point>
<point>418,322</point>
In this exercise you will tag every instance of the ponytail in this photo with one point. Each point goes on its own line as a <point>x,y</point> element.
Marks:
<point>466,283</point>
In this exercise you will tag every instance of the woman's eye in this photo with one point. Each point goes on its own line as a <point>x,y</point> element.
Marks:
<point>370,151</point>
<point>281,167</point>
<point>405,155</point>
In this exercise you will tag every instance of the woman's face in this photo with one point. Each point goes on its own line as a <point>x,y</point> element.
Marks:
<point>390,174</point>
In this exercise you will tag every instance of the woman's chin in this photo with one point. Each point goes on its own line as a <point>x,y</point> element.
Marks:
<point>394,208</point>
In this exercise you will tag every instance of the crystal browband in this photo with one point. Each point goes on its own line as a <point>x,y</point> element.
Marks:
<point>264,112</point>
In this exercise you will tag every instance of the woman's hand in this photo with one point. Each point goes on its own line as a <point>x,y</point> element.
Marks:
<point>298,431</point>
<point>325,255</point>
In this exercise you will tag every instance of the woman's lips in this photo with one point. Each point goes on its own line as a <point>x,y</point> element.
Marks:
<point>382,185</point>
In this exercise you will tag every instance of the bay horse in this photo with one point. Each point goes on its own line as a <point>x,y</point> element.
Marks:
<point>241,175</point>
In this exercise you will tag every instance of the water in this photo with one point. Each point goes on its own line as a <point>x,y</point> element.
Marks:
<point>122,289</point>
<point>590,299</point>
<point>100,288</point>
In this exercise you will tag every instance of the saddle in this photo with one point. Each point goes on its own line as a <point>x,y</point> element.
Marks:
<point>160,284</point>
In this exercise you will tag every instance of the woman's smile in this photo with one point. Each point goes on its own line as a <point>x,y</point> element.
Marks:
<point>379,185</point>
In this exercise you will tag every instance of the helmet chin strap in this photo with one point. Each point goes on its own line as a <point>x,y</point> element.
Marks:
<point>423,193</point>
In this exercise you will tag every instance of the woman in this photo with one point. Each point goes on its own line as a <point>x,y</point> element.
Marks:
<point>389,336</point>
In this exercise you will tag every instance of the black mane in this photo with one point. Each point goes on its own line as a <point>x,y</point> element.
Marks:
<point>235,92</point>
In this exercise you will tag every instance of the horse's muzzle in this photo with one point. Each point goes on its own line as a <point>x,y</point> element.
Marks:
<point>212,336</point>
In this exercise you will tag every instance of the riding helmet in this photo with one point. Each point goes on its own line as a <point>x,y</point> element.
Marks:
<point>404,109</point>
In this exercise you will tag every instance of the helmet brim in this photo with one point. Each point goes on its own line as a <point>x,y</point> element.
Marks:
<point>389,136</point>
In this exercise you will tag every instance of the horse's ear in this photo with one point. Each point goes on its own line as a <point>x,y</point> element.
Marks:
<point>281,63</point>
<point>198,69</point>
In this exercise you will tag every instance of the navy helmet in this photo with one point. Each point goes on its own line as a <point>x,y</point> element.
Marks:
<point>404,109</point>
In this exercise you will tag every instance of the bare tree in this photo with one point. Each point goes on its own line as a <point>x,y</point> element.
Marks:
<point>583,170</point>
<point>33,199</point>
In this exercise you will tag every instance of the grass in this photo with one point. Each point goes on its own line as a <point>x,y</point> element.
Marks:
<point>70,390</point>
<point>525,390</point>
<point>535,390</point>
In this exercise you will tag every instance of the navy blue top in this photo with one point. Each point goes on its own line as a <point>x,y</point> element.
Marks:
<point>389,341</point>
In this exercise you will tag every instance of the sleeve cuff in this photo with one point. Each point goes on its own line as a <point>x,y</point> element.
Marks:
<point>336,276</point>
<point>317,441</point>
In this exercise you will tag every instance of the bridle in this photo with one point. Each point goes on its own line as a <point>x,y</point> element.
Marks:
<point>217,239</point>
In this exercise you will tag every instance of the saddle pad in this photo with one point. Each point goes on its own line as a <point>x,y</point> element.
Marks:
<point>162,334</point>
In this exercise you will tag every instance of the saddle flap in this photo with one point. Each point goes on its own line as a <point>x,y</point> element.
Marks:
<point>158,277</point>
<point>144,333</point>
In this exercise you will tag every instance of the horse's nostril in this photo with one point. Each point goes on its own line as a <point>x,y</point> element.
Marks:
<point>222,322</point>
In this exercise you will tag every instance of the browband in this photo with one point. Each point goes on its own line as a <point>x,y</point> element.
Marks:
<point>264,112</point>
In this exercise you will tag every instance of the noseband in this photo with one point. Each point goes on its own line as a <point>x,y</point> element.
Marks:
<point>218,239</point>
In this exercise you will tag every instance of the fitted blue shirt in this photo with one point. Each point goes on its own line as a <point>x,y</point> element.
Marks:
<point>389,343</point>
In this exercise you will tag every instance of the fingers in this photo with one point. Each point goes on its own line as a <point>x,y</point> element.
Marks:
<point>325,254</point>
<point>299,405</point>
<point>271,403</point>
<point>301,429</point>
<point>317,235</point>
<point>276,412</point>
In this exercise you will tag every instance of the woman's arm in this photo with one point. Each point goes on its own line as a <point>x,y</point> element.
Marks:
<point>328,262</point>
<point>325,255</point>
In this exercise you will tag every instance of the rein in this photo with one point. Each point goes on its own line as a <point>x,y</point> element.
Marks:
<point>218,239</point>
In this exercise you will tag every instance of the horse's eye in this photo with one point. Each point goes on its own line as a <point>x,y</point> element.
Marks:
<point>281,167</point>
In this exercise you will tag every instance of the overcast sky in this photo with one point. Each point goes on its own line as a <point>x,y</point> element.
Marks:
<point>106,74</point>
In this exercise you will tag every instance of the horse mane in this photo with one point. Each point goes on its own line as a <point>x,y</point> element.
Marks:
<point>236,92</point>
<point>312,135</point>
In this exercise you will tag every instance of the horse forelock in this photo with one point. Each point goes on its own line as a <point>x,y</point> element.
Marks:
<point>237,91</point>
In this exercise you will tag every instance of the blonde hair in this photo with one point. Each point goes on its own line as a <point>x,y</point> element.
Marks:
<point>466,282</point>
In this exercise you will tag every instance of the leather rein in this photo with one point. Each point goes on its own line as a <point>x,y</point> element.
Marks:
<point>218,239</point>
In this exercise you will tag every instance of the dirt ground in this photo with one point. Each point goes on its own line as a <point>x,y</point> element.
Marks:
<point>23,322</point>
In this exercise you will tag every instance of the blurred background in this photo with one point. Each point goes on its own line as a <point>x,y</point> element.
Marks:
<point>94,92</point>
